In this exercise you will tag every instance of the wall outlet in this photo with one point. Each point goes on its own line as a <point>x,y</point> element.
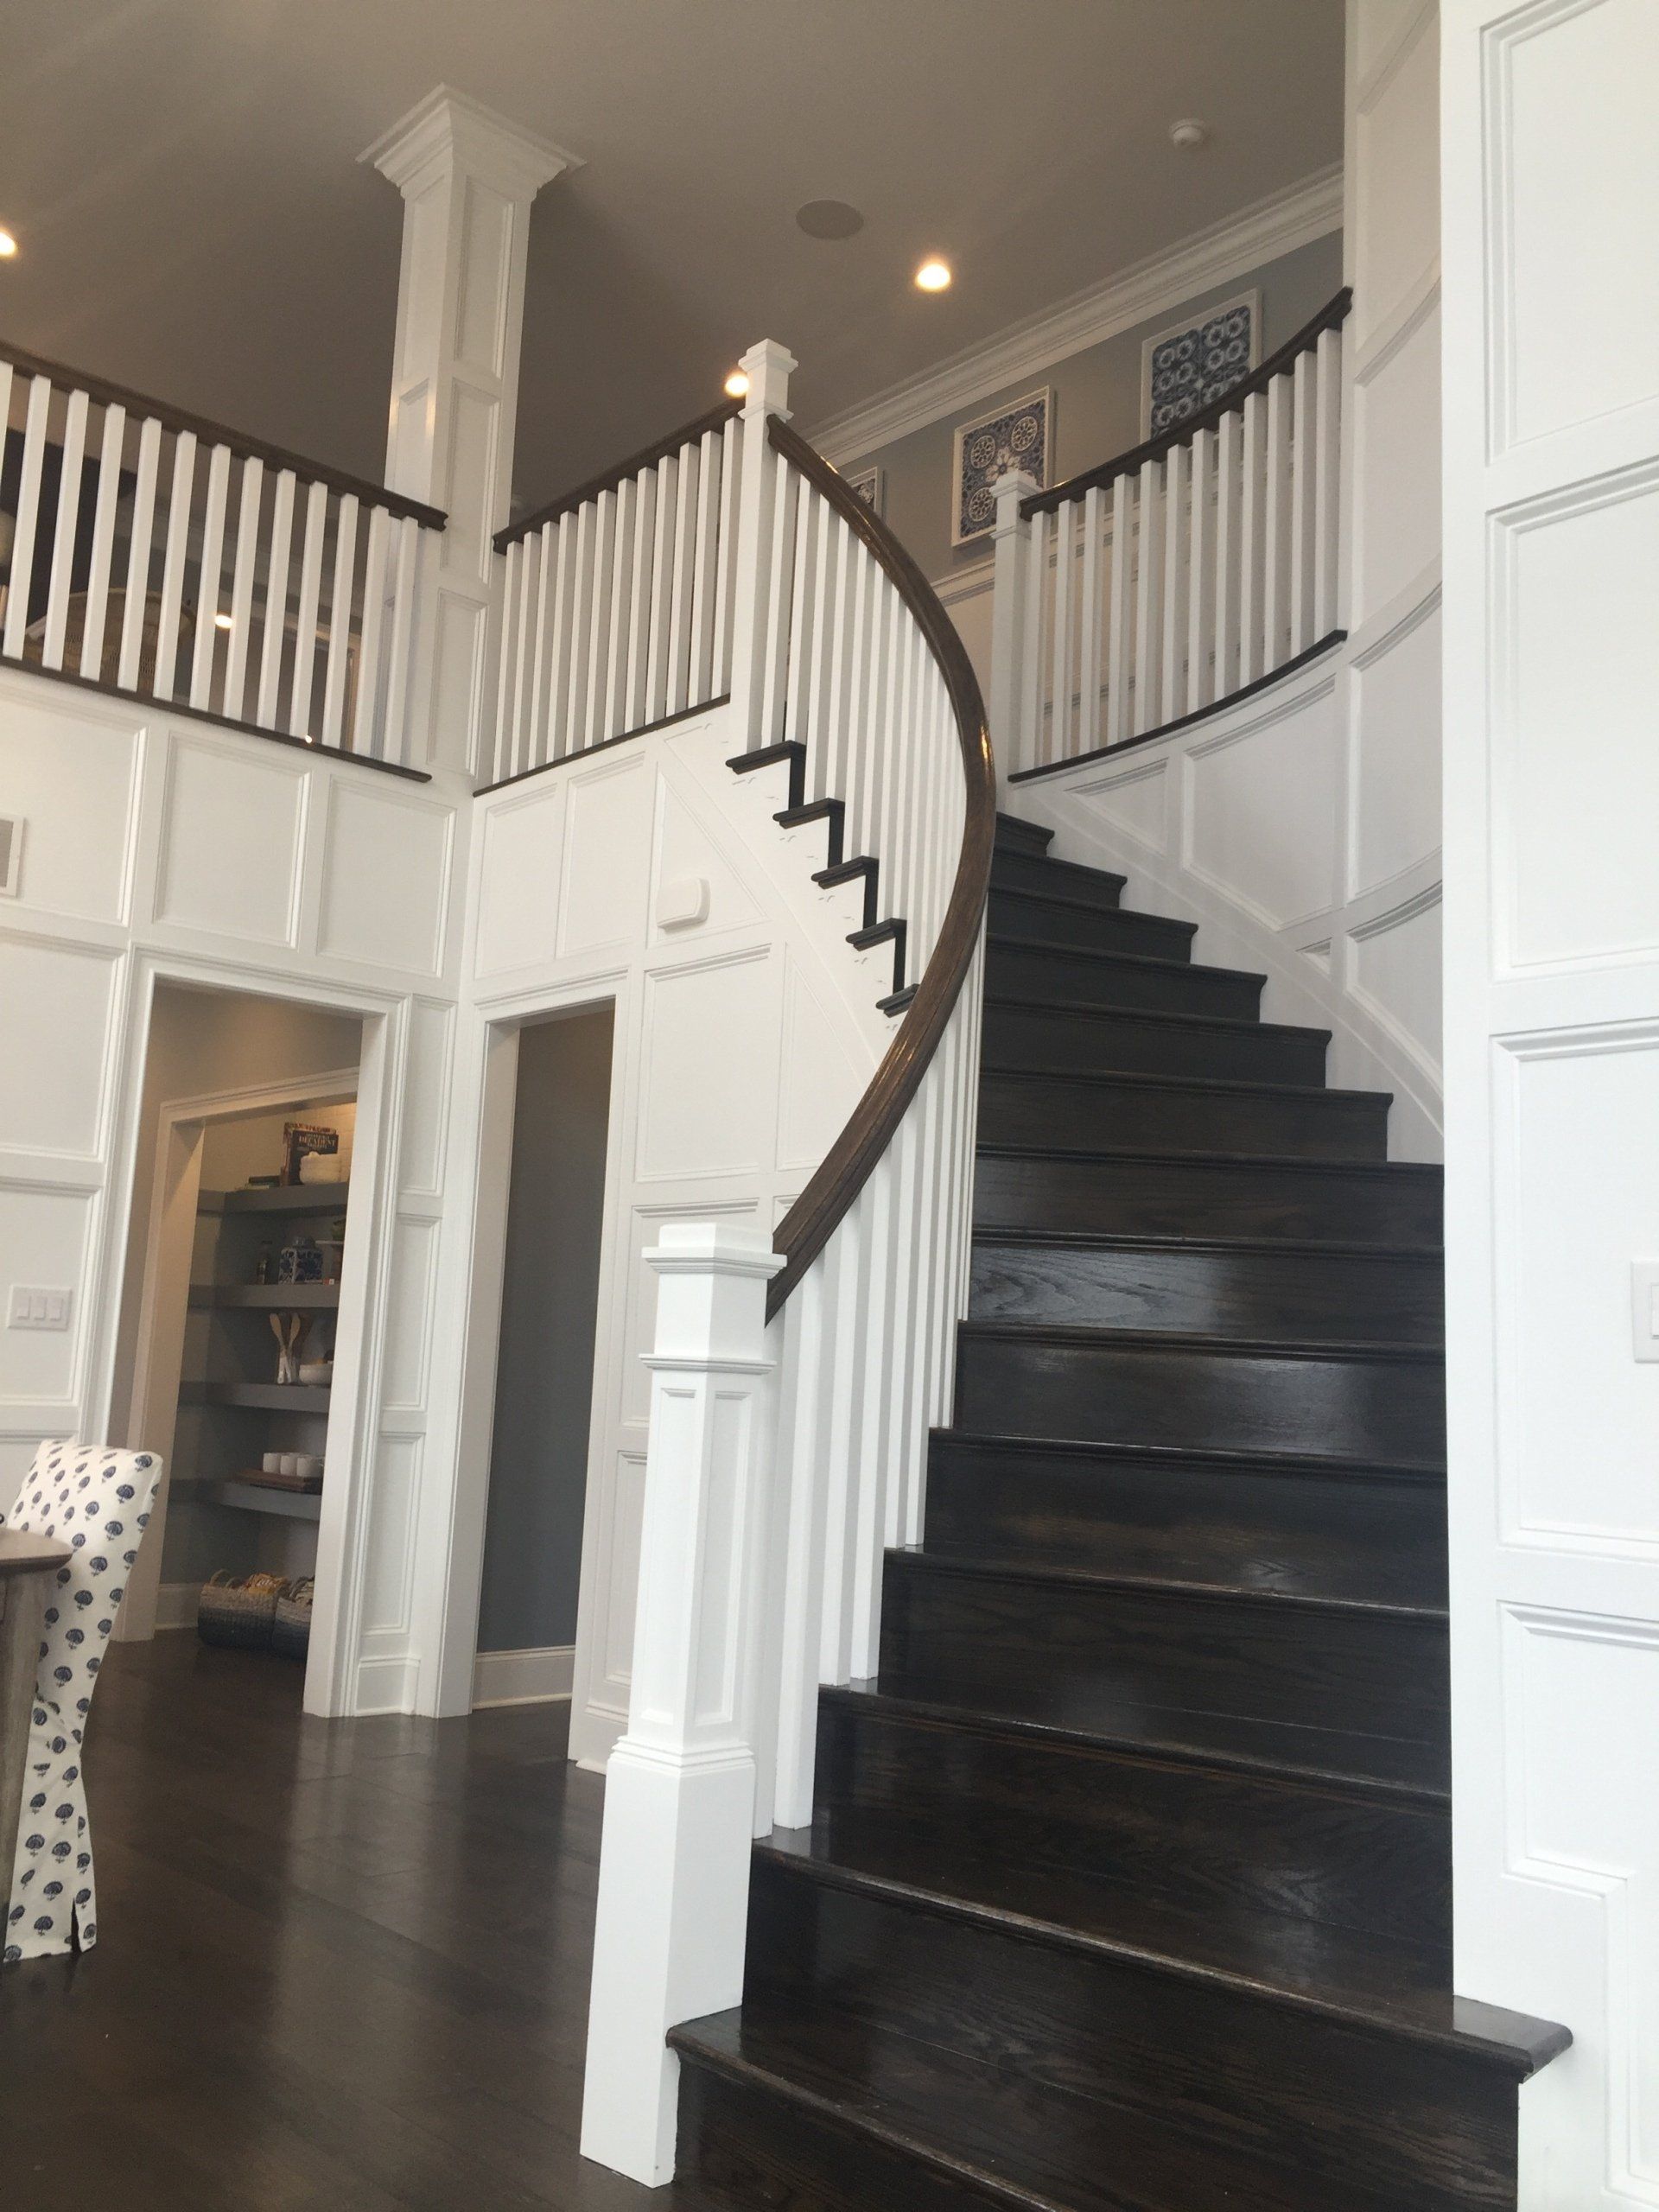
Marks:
<point>32,1307</point>
<point>1644,1307</point>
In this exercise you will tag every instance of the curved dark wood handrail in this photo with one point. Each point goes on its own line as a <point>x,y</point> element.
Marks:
<point>568,502</point>
<point>241,444</point>
<point>1331,317</point>
<point>807,1227</point>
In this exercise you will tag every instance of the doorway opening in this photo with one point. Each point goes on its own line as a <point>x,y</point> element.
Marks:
<point>236,1307</point>
<point>540,1434</point>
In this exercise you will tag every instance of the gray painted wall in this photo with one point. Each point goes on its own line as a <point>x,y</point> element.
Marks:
<point>1096,403</point>
<point>538,1458</point>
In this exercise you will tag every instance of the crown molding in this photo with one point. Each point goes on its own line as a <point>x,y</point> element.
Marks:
<point>1220,255</point>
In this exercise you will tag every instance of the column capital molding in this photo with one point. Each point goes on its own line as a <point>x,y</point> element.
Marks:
<point>448,130</point>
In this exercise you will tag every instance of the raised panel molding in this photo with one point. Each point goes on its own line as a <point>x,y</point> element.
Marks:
<point>1394,739</point>
<point>385,879</point>
<point>1396,131</point>
<point>60,1030</point>
<point>606,857</point>
<point>78,835</point>
<point>1259,808</point>
<point>1574,768</point>
<point>406,1357</point>
<point>426,1098</point>
<point>231,836</point>
<point>1576,1465</point>
<point>708,1066</point>
<point>1572,164</point>
<point>389,1547</point>
<point>1135,800</point>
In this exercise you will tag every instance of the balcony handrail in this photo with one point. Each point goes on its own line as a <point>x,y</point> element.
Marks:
<point>1331,317</point>
<point>567,502</point>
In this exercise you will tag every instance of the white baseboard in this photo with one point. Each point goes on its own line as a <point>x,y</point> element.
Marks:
<point>176,1604</point>
<point>534,1677</point>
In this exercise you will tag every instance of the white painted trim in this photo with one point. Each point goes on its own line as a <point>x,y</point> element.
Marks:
<point>176,1606</point>
<point>538,1675</point>
<point>1156,286</point>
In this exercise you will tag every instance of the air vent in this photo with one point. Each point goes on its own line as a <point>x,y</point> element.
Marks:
<point>11,854</point>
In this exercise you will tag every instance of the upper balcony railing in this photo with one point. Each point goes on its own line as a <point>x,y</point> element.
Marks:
<point>1157,585</point>
<point>148,552</point>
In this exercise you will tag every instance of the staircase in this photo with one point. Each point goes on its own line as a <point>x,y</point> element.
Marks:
<point>1128,1884</point>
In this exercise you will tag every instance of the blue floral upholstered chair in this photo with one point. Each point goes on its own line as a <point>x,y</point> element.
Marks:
<point>97,1501</point>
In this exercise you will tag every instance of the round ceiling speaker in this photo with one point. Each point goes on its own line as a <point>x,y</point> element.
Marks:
<point>828,218</point>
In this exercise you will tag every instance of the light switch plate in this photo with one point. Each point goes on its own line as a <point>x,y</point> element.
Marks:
<point>1645,1308</point>
<point>35,1306</point>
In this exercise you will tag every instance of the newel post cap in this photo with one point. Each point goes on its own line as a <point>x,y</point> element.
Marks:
<point>1010,488</point>
<point>720,1248</point>
<point>768,367</point>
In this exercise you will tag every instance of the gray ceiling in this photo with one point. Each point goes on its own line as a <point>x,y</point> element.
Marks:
<point>181,176</point>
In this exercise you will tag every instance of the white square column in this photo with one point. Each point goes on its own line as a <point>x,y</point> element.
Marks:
<point>467,177</point>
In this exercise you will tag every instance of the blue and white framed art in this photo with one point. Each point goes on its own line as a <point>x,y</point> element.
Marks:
<point>1192,362</point>
<point>1019,435</point>
<point>866,484</point>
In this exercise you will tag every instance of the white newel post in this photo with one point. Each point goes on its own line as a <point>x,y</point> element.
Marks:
<point>679,1790</point>
<point>467,176</point>
<point>1010,536</point>
<point>768,367</point>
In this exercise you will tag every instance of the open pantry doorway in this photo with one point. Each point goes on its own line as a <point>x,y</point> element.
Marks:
<point>235,1309</point>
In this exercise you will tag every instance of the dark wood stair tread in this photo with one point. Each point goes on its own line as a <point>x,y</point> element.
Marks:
<point>1060,897</point>
<point>957,2117</point>
<point>1104,956</point>
<point>1084,1010</point>
<point>1175,1456</point>
<point>1341,1973</point>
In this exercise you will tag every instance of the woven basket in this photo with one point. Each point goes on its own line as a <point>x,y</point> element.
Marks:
<point>290,1632</point>
<point>238,1610</point>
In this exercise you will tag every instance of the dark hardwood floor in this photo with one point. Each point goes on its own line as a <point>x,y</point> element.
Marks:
<point>341,1964</point>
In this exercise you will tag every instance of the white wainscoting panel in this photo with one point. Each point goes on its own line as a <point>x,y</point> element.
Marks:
<point>76,861</point>
<point>59,1001</point>
<point>382,852</point>
<point>233,837</point>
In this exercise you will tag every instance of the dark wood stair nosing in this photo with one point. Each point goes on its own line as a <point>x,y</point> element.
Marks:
<point>1000,1234</point>
<point>1082,1010</point>
<point>1152,963</point>
<point>1154,1080</point>
<point>1317,1167</point>
<point>1370,1350</point>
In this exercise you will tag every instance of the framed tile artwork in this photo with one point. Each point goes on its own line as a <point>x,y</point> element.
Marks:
<point>1193,362</point>
<point>1019,435</point>
<point>866,484</point>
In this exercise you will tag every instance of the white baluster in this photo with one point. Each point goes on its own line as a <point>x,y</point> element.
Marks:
<point>1301,508</point>
<point>136,599</point>
<point>731,477</point>
<point>660,652</point>
<point>173,561</point>
<point>1250,663</point>
<point>63,537</point>
<point>1059,743</point>
<point>274,614</point>
<point>1149,595</point>
<point>305,618</point>
<point>394,745</point>
<point>364,720</point>
<point>1119,633</point>
<point>1276,589</point>
<point>1091,617</point>
<point>510,651</point>
<point>1327,483</point>
<point>679,615</point>
<point>1034,656</point>
<point>29,507</point>
<point>1178,538</point>
<point>641,600</point>
<point>768,367</point>
<point>599,631</point>
<point>560,739</point>
<point>1200,576</point>
<point>1226,577</point>
<point>612,723</point>
<point>582,616</point>
<point>249,494</point>
<point>532,747</point>
<point>339,618</point>
<point>103,514</point>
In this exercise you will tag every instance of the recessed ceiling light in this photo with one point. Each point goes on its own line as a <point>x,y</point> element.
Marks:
<point>933,275</point>
<point>737,386</point>
<point>828,218</point>
<point>8,243</point>
<point>1188,132</point>
<point>222,622</point>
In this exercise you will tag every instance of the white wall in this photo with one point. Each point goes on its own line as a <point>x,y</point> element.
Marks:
<point>156,850</point>
<point>1302,827</point>
<point>1551,388</point>
<point>743,1042</point>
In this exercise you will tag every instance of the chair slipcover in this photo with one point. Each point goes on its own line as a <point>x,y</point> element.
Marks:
<point>97,1501</point>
